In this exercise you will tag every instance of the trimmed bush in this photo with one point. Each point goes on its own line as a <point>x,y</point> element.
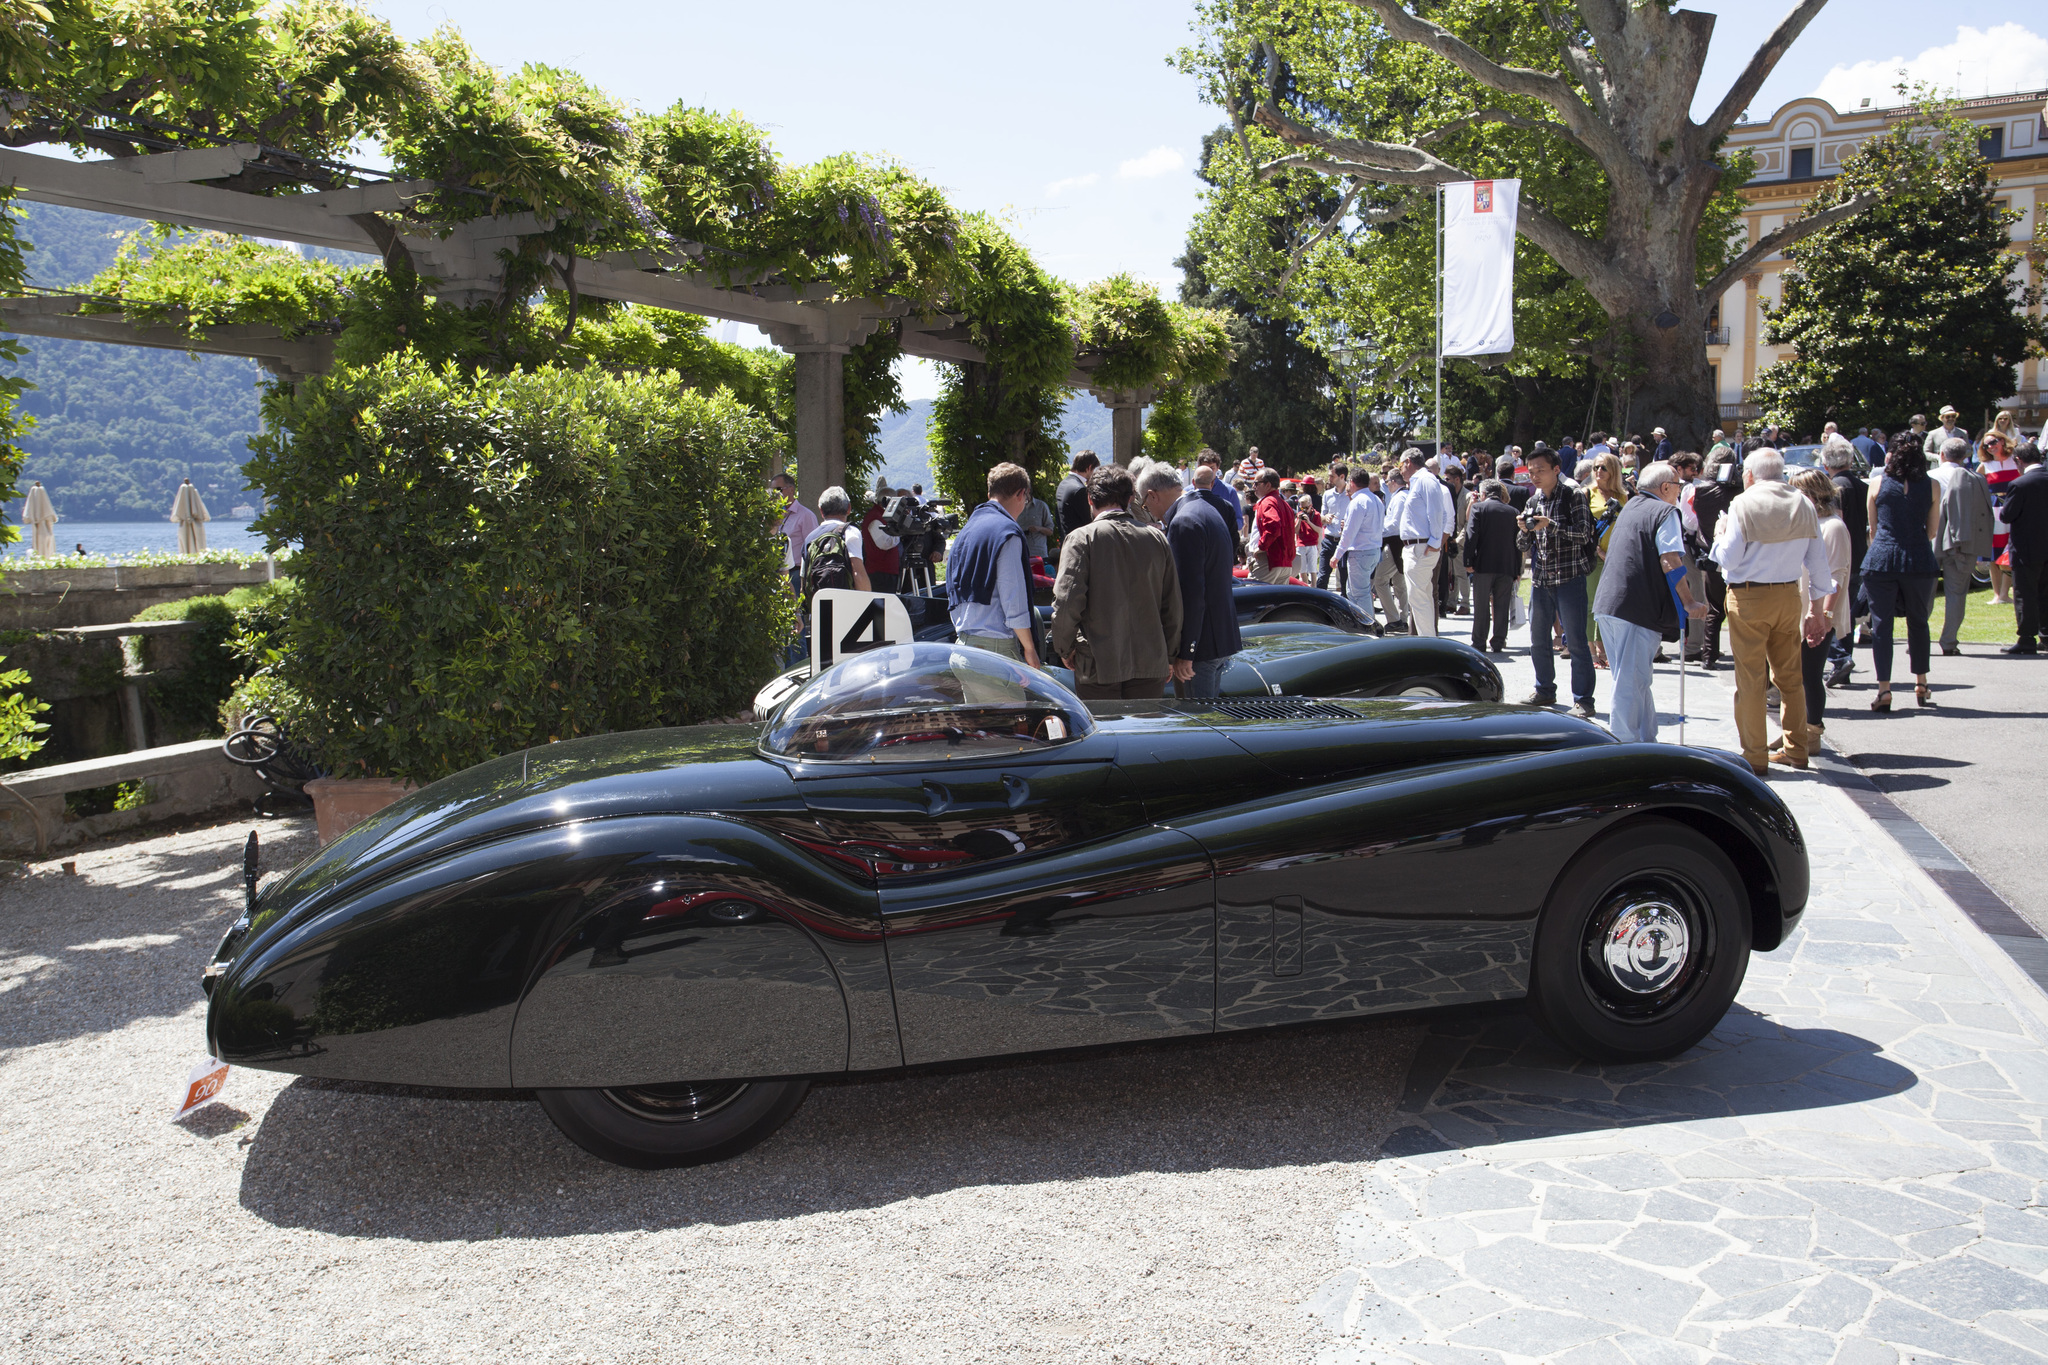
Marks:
<point>206,664</point>
<point>495,561</point>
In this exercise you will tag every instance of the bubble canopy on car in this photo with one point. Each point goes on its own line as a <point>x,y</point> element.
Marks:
<point>916,702</point>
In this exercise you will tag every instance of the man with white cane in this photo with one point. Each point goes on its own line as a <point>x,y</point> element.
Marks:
<point>1643,600</point>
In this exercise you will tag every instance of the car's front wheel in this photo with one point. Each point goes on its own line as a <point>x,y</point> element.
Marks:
<point>652,1126</point>
<point>1642,946</point>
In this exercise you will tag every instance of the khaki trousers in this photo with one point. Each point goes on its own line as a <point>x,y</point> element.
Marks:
<point>1259,570</point>
<point>1420,572</point>
<point>1764,635</point>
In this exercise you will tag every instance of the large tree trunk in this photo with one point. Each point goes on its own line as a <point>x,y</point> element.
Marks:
<point>1675,388</point>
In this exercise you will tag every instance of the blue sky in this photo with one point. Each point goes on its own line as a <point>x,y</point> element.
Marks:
<point>1066,117</point>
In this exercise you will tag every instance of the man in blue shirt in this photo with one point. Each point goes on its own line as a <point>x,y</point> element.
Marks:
<point>986,581</point>
<point>1358,547</point>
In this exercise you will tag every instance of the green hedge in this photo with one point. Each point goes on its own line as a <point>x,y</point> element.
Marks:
<point>495,561</point>
<point>190,697</point>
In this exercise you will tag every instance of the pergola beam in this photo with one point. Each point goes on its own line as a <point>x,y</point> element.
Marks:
<point>288,358</point>
<point>807,321</point>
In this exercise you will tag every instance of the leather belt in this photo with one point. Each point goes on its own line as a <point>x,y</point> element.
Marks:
<point>1792,583</point>
<point>1415,542</point>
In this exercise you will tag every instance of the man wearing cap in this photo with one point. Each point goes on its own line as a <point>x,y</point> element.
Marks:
<point>1663,445</point>
<point>1947,431</point>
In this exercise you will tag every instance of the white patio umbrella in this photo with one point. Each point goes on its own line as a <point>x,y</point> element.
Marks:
<point>191,515</point>
<point>41,519</point>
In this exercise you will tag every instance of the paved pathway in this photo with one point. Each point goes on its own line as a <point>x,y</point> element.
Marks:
<point>1970,770</point>
<point>1849,1172</point>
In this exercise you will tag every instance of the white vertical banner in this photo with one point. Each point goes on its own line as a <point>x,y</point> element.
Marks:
<point>1479,266</point>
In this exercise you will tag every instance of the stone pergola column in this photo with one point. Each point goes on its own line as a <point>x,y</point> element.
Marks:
<point>820,419</point>
<point>820,343</point>
<point>1126,419</point>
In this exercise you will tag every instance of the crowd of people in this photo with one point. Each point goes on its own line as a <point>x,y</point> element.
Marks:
<point>1627,546</point>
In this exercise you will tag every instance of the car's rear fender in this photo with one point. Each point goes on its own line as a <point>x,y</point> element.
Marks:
<point>420,979</point>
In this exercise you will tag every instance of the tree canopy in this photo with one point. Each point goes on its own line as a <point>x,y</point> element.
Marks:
<point>1626,200</point>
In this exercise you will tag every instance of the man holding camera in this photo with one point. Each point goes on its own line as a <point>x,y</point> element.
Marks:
<point>1557,532</point>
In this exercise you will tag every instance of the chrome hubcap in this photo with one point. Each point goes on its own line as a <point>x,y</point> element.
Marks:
<point>1645,946</point>
<point>684,1103</point>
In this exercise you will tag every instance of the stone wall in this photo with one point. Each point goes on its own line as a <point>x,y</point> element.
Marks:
<point>179,780</point>
<point>54,598</point>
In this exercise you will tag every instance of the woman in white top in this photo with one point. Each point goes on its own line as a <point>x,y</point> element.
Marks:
<point>1819,489</point>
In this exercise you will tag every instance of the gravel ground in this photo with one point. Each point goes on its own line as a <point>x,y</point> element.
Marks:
<point>1172,1203</point>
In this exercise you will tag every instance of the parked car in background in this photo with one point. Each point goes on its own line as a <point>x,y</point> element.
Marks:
<point>1292,648</point>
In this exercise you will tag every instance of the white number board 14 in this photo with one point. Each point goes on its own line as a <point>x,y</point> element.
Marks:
<point>845,621</point>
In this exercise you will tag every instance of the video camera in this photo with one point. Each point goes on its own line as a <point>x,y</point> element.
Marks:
<point>905,517</point>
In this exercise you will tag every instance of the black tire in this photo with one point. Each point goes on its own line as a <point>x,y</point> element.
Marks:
<point>1622,1006</point>
<point>655,1126</point>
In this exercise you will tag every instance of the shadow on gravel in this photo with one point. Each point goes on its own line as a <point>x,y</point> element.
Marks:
<point>365,1161</point>
<point>1478,1082</point>
<point>368,1161</point>
<point>81,954</point>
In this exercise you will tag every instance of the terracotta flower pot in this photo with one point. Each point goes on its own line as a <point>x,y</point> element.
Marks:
<point>342,803</point>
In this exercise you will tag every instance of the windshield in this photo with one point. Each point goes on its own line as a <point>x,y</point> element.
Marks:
<point>916,702</point>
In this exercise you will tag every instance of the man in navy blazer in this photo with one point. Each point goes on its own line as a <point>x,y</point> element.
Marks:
<point>2026,514</point>
<point>1198,530</point>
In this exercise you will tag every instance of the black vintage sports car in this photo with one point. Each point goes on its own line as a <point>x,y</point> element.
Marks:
<point>1295,603</point>
<point>932,853</point>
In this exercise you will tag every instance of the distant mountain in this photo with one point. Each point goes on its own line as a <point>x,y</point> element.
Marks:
<point>906,457</point>
<point>117,427</point>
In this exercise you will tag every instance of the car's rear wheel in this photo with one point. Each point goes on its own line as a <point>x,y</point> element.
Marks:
<point>652,1126</point>
<point>1642,946</point>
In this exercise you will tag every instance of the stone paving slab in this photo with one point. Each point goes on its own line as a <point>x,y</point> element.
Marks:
<point>1848,1172</point>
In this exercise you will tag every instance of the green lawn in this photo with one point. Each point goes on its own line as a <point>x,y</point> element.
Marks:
<point>1985,623</point>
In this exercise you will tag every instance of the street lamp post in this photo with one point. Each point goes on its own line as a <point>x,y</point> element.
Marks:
<point>1344,355</point>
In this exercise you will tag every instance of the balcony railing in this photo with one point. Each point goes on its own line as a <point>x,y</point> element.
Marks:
<point>1717,336</point>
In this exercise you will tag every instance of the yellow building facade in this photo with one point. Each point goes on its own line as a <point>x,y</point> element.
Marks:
<point>1797,150</point>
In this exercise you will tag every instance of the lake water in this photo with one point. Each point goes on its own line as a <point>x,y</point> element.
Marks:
<point>129,537</point>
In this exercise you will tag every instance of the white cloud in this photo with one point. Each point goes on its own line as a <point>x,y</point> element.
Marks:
<point>1158,161</point>
<point>1979,62</point>
<point>1072,182</point>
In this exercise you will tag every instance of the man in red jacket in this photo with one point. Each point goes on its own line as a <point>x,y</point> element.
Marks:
<point>1272,554</point>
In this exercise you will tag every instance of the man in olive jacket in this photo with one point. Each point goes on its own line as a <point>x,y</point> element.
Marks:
<point>1116,604</point>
